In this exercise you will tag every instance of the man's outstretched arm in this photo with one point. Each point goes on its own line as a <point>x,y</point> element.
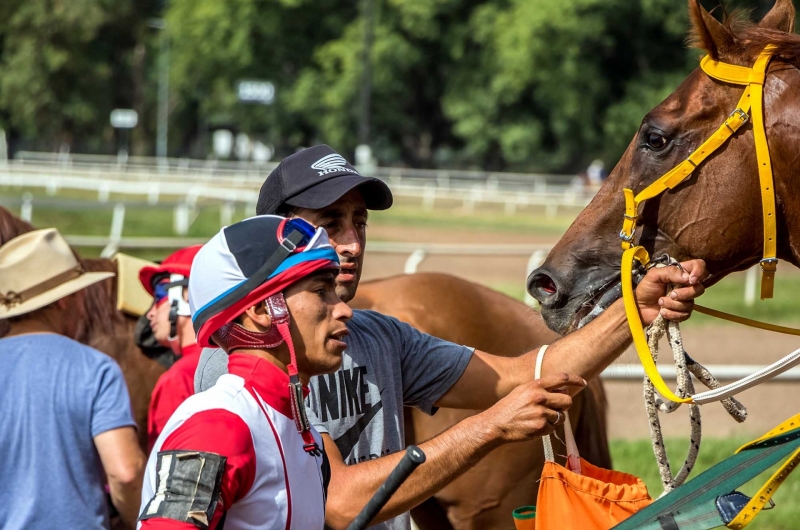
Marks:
<point>587,351</point>
<point>527,412</point>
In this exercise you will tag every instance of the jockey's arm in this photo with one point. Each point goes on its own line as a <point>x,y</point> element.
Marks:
<point>585,352</point>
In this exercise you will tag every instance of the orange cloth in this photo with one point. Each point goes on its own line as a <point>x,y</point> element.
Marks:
<point>595,499</point>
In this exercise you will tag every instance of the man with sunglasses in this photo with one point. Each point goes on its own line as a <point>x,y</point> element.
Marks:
<point>171,323</point>
<point>389,365</point>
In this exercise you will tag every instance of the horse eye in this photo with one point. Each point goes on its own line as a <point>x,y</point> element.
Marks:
<point>656,141</point>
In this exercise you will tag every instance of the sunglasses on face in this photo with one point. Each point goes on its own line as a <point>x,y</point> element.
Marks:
<point>161,291</point>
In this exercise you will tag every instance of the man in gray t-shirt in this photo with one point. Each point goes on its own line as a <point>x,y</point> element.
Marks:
<point>388,364</point>
<point>360,406</point>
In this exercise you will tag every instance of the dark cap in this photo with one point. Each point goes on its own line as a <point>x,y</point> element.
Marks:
<point>315,178</point>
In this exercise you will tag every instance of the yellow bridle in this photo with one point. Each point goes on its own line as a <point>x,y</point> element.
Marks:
<point>752,102</point>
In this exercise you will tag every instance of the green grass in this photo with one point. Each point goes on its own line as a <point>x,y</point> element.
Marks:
<point>636,457</point>
<point>728,296</point>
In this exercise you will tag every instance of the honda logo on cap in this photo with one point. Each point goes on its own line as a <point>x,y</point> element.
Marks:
<point>332,163</point>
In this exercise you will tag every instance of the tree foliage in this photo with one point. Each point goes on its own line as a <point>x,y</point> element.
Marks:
<point>496,84</point>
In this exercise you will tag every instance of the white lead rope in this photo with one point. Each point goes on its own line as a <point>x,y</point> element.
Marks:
<point>569,439</point>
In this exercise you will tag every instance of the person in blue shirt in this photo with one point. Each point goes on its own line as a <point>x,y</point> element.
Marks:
<point>66,427</point>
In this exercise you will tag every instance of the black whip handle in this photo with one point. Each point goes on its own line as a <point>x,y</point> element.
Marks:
<point>413,457</point>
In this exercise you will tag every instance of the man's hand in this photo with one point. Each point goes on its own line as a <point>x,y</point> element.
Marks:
<point>652,296</point>
<point>532,409</point>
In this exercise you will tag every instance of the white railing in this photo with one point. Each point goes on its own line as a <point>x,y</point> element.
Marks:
<point>185,167</point>
<point>240,182</point>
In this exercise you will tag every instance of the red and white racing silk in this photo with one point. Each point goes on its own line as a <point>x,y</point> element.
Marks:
<point>266,479</point>
<point>172,388</point>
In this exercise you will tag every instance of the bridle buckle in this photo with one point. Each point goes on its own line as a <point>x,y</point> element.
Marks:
<point>769,264</point>
<point>625,237</point>
<point>742,114</point>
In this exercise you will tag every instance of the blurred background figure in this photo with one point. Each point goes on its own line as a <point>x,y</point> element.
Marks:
<point>596,173</point>
<point>66,412</point>
<point>171,322</point>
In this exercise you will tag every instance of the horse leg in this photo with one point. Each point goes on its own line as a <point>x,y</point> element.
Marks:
<point>591,427</point>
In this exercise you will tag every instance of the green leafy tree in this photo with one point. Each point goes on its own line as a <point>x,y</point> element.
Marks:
<point>65,65</point>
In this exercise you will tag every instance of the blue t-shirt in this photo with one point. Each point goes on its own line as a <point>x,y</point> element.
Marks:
<point>56,395</point>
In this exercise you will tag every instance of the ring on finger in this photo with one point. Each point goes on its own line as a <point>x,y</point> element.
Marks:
<point>558,418</point>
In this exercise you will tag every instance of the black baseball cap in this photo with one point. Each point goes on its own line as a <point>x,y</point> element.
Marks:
<point>317,177</point>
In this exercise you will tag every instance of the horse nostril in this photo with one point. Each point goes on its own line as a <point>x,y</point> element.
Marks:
<point>542,286</point>
<point>547,285</point>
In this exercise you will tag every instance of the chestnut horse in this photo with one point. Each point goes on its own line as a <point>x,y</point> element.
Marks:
<point>466,313</point>
<point>435,303</point>
<point>715,214</point>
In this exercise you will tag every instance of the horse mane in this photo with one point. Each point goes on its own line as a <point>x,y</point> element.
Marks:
<point>99,302</point>
<point>98,310</point>
<point>12,226</point>
<point>754,39</point>
<point>748,39</point>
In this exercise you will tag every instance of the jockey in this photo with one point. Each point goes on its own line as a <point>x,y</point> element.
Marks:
<point>264,291</point>
<point>170,320</point>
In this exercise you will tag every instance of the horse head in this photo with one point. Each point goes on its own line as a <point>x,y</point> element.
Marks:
<point>716,213</point>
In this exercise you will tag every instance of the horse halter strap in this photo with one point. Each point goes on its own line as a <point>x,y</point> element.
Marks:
<point>752,100</point>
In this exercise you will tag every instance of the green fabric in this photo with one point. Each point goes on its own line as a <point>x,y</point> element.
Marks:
<point>693,504</point>
<point>525,512</point>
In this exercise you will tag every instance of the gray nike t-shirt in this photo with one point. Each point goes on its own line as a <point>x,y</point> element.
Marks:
<point>387,364</point>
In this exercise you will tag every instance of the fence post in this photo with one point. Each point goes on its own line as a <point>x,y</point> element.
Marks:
<point>117,222</point>
<point>428,197</point>
<point>152,194</point>
<point>52,187</point>
<point>536,259</point>
<point>180,219</point>
<point>26,210</point>
<point>414,260</point>
<point>103,192</point>
<point>750,281</point>
<point>226,214</point>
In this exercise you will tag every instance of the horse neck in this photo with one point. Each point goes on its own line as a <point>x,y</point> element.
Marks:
<point>784,146</point>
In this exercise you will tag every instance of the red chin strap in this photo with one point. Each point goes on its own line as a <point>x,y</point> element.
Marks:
<point>233,337</point>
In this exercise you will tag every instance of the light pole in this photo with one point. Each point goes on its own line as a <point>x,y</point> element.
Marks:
<point>162,129</point>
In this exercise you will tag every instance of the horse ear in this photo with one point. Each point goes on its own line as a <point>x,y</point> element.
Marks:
<point>708,33</point>
<point>780,17</point>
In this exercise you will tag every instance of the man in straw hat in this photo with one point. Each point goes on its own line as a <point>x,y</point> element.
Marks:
<point>66,419</point>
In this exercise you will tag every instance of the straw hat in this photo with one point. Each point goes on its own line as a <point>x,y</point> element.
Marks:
<point>38,268</point>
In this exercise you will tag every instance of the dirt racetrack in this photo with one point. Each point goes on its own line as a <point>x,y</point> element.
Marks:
<point>767,405</point>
